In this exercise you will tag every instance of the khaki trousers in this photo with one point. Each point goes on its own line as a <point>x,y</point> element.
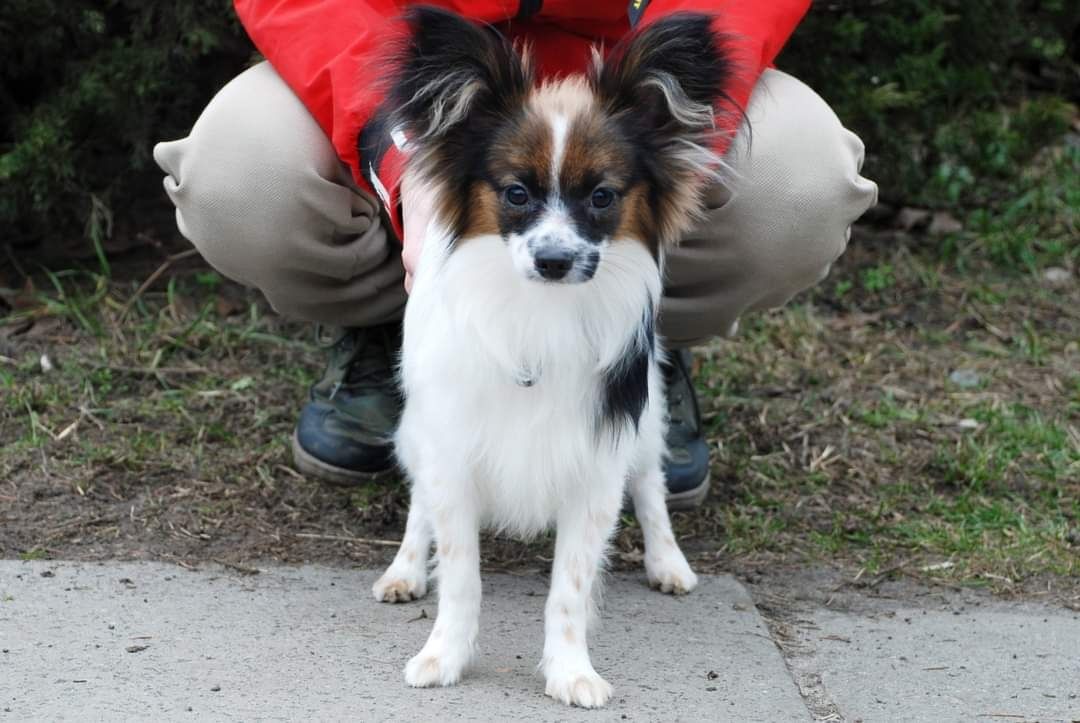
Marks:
<point>261,194</point>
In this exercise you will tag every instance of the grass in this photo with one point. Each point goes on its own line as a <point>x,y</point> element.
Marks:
<point>919,414</point>
<point>843,431</point>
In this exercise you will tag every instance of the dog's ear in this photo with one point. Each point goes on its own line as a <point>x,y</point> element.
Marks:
<point>450,70</point>
<point>668,76</point>
<point>663,86</point>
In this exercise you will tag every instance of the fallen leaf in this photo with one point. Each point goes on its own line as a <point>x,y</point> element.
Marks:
<point>1057,276</point>
<point>909,218</point>
<point>944,222</point>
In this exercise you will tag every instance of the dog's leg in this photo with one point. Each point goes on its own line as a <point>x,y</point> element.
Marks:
<point>406,578</point>
<point>584,528</point>
<point>665,564</point>
<point>452,642</point>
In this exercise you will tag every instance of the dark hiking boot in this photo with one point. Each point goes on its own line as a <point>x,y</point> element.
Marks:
<point>345,429</point>
<point>687,466</point>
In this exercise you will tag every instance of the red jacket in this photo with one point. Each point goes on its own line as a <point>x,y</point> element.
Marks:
<point>330,51</point>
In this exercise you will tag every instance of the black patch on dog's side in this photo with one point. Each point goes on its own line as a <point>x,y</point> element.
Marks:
<point>626,384</point>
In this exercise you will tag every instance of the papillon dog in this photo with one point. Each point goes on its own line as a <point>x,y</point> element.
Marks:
<point>530,362</point>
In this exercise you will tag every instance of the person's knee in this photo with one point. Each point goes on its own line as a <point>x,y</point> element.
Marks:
<point>214,206</point>
<point>243,180</point>
<point>802,188</point>
<point>778,223</point>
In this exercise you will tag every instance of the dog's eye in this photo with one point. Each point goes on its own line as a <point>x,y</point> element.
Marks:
<point>602,197</point>
<point>517,195</point>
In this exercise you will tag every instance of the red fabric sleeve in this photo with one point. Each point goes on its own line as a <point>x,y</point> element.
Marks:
<point>332,53</point>
<point>325,50</point>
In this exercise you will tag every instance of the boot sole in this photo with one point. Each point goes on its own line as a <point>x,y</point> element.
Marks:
<point>689,499</point>
<point>311,466</point>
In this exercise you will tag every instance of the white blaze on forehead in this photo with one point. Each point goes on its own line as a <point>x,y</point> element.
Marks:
<point>560,126</point>
<point>560,103</point>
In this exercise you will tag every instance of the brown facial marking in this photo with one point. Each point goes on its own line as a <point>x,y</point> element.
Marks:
<point>677,209</point>
<point>523,150</point>
<point>410,556</point>
<point>483,211</point>
<point>593,154</point>
<point>520,153</point>
<point>636,221</point>
<point>568,634</point>
<point>598,154</point>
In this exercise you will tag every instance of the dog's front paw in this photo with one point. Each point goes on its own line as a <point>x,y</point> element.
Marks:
<point>427,669</point>
<point>400,586</point>
<point>583,688</point>
<point>671,574</point>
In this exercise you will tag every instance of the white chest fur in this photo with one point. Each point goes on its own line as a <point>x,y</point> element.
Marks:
<point>504,379</point>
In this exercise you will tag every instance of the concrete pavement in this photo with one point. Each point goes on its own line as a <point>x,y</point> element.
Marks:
<point>155,641</point>
<point>994,662</point>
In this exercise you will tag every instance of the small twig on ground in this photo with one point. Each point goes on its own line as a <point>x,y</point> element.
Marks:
<point>290,471</point>
<point>154,277</point>
<point>141,371</point>
<point>346,538</point>
<point>882,575</point>
<point>242,569</point>
<point>80,521</point>
<point>67,431</point>
<point>981,318</point>
<point>85,413</point>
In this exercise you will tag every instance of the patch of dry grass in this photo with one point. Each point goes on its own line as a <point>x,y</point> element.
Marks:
<point>161,429</point>
<point>930,427</point>
<point>840,431</point>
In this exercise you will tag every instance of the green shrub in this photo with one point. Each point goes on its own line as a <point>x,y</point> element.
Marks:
<point>87,88</point>
<point>952,97</point>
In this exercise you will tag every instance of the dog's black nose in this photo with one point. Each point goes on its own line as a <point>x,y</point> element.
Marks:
<point>553,262</point>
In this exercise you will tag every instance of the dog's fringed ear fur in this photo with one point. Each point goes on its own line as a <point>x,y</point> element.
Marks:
<point>671,74</point>
<point>454,83</point>
<point>664,84</point>
<point>450,69</point>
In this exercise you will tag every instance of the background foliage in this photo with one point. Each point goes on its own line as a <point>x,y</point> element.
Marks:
<point>87,88</point>
<point>952,98</point>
